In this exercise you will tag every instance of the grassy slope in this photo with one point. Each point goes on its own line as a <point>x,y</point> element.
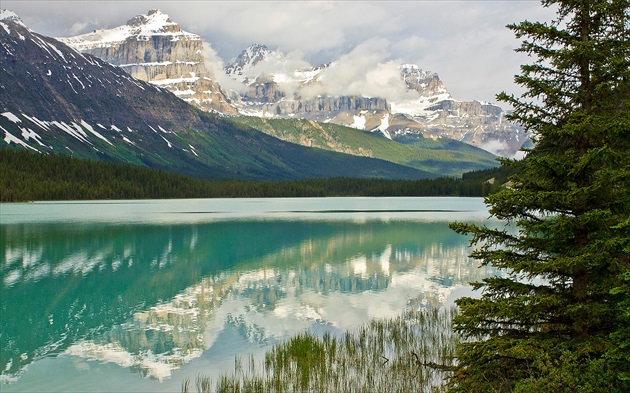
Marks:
<point>442,157</point>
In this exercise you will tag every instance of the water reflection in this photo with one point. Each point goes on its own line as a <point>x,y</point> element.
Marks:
<point>152,298</point>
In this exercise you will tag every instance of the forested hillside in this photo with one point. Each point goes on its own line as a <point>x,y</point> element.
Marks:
<point>26,176</point>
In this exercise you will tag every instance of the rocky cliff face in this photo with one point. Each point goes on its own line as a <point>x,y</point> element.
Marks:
<point>426,83</point>
<point>361,112</point>
<point>329,104</point>
<point>436,114</point>
<point>428,110</point>
<point>153,48</point>
<point>479,124</point>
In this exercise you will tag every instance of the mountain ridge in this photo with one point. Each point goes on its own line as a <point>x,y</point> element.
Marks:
<point>267,83</point>
<point>56,100</point>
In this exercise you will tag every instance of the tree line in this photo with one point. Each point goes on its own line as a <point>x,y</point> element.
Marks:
<point>28,176</point>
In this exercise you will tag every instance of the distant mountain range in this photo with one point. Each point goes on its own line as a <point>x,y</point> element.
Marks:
<point>267,83</point>
<point>56,100</point>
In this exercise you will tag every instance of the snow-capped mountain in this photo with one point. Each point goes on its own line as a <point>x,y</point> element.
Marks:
<point>258,60</point>
<point>248,58</point>
<point>275,85</point>
<point>427,83</point>
<point>422,108</point>
<point>155,49</point>
<point>269,83</point>
<point>55,100</point>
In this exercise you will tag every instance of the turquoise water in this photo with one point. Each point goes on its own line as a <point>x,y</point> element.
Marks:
<point>140,295</point>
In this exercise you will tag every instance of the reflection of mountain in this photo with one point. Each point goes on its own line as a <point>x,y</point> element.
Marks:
<point>153,297</point>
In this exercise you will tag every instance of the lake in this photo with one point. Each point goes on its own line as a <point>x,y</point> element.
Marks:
<point>141,295</point>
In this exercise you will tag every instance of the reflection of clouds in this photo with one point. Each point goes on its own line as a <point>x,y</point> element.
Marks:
<point>270,304</point>
<point>155,366</point>
<point>384,259</point>
<point>12,277</point>
<point>359,265</point>
<point>263,281</point>
<point>28,264</point>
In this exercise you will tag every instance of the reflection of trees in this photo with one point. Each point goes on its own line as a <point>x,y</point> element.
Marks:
<point>137,294</point>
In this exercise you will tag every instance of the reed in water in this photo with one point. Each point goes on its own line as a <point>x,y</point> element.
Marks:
<point>413,352</point>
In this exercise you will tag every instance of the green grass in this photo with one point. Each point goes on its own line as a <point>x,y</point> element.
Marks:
<point>411,353</point>
<point>437,157</point>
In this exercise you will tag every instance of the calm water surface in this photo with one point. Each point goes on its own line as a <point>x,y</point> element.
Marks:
<point>141,295</point>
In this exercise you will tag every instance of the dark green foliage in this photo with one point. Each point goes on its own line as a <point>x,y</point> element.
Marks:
<point>491,180</point>
<point>26,176</point>
<point>557,319</point>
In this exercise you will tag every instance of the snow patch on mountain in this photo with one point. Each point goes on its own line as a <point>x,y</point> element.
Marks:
<point>97,134</point>
<point>11,117</point>
<point>10,138</point>
<point>359,122</point>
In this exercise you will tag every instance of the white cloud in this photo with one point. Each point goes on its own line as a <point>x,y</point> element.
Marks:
<point>465,42</point>
<point>367,70</point>
<point>78,28</point>
<point>495,147</point>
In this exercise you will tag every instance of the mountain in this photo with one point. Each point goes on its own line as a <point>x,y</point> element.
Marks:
<point>267,83</point>
<point>478,123</point>
<point>272,88</point>
<point>56,100</point>
<point>155,49</point>
<point>423,106</point>
<point>443,155</point>
<point>248,58</point>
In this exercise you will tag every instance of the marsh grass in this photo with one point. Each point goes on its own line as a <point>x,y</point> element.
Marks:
<point>410,353</point>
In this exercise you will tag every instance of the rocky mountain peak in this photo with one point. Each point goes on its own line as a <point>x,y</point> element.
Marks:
<point>427,83</point>
<point>6,15</point>
<point>248,58</point>
<point>153,48</point>
<point>254,54</point>
<point>155,21</point>
<point>154,25</point>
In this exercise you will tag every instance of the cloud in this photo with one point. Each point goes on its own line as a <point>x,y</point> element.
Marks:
<point>281,63</point>
<point>494,147</point>
<point>367,70</point>
<point>311,26</point>
<point>78,28</point>
<point>465,42</point>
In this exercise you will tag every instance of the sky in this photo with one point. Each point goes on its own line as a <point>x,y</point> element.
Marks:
<point>465,42</point>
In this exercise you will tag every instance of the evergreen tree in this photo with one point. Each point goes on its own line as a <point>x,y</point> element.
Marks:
<point>557,319</point>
